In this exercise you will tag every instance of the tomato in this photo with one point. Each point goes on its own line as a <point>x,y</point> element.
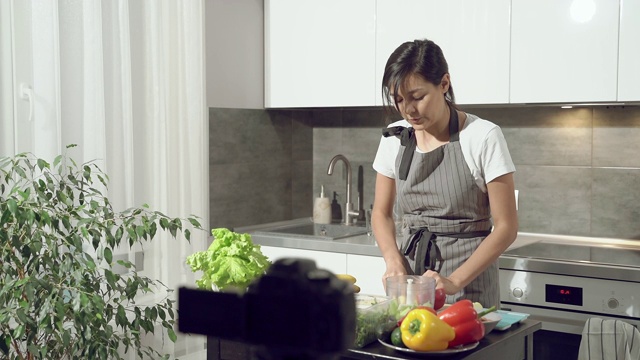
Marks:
<point>439,299</point>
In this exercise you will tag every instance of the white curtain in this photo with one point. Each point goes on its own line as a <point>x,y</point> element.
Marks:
<point>124,80</point>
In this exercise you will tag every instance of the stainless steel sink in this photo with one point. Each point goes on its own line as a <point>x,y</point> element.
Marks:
<point>328,231</point>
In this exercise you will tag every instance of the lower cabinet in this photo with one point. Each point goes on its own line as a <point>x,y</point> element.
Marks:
<point>368,271</point>
<point>219,349</point>
<point>334,262</point>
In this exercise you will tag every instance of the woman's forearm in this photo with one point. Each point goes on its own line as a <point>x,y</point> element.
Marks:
<point>385,234</point>
<point>487,252</point>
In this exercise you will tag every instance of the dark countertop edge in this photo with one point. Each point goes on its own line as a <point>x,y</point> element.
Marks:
<point>524,328</point>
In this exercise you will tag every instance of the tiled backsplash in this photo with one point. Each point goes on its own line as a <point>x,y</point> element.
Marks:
<point>577,170</point>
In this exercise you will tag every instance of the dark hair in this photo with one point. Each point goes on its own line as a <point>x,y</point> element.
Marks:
<point>422,57</point>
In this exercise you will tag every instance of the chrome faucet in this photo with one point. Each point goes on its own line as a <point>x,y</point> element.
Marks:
<point>349,213</point>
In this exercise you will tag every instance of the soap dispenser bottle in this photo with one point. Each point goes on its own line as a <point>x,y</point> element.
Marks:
<point>322,209</point>
<point>336,210</point>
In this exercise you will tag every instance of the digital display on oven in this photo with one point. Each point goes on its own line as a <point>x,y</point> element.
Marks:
<point>563,294</point>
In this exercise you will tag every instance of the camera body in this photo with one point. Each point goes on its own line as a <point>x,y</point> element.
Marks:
<point>295,310</point>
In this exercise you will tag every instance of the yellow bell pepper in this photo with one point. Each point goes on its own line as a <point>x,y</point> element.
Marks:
<point>424,331</point>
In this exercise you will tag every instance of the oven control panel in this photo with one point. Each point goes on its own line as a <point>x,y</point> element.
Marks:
<point>570,292</point>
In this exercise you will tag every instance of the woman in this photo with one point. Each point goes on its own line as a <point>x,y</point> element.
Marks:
<point>453,178</point>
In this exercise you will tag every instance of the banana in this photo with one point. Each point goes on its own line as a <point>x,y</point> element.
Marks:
<point>356,288</point>
<point>346,277</point>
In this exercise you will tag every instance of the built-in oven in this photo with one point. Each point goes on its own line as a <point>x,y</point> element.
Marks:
<point>563,281</point>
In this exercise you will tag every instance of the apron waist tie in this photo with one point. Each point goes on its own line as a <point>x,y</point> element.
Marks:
<point>423,240</point>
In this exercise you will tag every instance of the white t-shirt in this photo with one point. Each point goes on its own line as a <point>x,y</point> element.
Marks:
<point>483,146</point>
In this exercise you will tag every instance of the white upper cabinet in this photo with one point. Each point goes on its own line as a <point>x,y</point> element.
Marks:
<point>629,61</point>
<point>319,53</point>
<point>473,35</point>
<point>564,51</point>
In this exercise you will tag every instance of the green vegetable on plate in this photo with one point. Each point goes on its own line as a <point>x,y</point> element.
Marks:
<point>396,337</point>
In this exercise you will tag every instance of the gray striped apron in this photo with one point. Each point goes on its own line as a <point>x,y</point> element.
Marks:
<point>445,214</point>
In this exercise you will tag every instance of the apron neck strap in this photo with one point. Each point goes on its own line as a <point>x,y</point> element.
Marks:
<point>408,139</point>
<point>454,125</point>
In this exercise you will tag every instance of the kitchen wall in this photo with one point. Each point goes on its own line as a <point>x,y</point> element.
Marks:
<point>261,166</point>
<point>577,169</point>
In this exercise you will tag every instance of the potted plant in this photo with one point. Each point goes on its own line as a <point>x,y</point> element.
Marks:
<point>61,296</point>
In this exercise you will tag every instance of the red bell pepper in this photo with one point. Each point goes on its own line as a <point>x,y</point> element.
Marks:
<point>464,320</point>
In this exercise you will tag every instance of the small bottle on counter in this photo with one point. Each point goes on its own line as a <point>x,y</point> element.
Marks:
<point>336,210</point>
<point>322,209</point>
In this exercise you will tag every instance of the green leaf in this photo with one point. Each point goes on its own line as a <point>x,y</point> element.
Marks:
<point>95,241</point>
<point>164,223</point>
<point>45,219</point>
<point>66,338</point>
<point>172,335</point>
<point>25,194</point>
<point>5,217</point>
<point>111,279</point>
<point>84,300</point>
<point>132,232</point>
<point>153,228</point>
<point>18,332</point>
<point>84,231</point>
<point>87,172</point>
<point>108,256</point>
<point>124,263</point>
<point>140,232</point>
<point>194,222</point>
<point>121,317</point>
<point>13,206</point>
<point>91,264</point>
<point>21,172</point>
<point>42,164</point>
<point>57,160</point>
<point>102,180</point>
<point>118,235</point>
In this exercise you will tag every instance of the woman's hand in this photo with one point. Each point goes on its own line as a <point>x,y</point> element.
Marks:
<point>394,268</point>
<point>449,286</point>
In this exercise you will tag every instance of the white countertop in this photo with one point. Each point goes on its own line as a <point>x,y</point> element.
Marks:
<point>366,245</point>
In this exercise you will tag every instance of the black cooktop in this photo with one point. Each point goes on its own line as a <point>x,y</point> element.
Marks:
<point>601,254</point>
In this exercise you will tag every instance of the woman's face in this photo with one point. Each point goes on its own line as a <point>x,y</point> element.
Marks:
<point>422,103</point>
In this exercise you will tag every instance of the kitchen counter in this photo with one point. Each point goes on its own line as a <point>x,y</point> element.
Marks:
<point>358,245</point>
<point>514,343</point>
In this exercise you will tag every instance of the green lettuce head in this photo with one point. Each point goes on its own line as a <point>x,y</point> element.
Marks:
<point>232,260</point>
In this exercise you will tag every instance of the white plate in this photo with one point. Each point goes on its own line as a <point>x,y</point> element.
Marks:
<point>454,350</point>
<point>490,321</point>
